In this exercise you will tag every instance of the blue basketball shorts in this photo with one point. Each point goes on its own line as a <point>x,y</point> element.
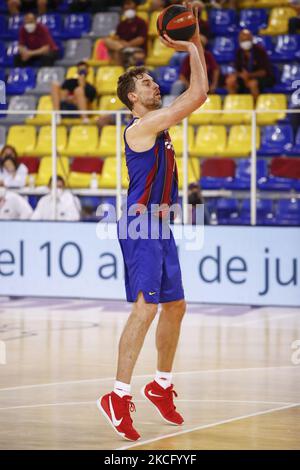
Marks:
<point>151,267</point>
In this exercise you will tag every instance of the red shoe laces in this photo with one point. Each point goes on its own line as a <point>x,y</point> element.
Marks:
<point>170,393</point>
<point>129,408</point>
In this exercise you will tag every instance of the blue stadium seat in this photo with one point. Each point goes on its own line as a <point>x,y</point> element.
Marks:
<point>2,26</point>
<point>64,5</point>
<point>290,73</point>
<point>223,21</point>
<point>224,49</point>
<point>165,77</point>
<point>286,48</point>
<point>264,211</point>
<point>266,42</point>
<point>11,50</point>
<point>275,183</point>
<point>2,54</point>
<point>242,175</point>
<point>3,6</point>
<point>295,150</point>
<point>227,210</point>
<point>276,140</point>
<point>76,25</point>
<point>11,31</point>
<point>177,59</point>
<point>19,80</point>
<point>288,212</point>
<point>253,19</point>
<point>54,23</point>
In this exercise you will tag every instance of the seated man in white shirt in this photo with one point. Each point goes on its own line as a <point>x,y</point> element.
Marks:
<point>12,172</point>
<point>68,206</point>
<point>13,206</point>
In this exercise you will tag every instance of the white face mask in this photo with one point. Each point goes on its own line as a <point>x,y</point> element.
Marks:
<point>2,192</point>
<point>129,14</point>
<point>30,27</point>
<point>246,45</point>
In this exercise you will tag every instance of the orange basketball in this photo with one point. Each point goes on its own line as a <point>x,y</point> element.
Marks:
<point>177,21</point>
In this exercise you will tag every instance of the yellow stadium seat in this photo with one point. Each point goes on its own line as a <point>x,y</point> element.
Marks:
<point>78,179</point>
<point>279,21</point>
<point>44,141</point>
<point>23,138</point>
<point>108,143</point>
<point>239,141</point>
<point>94,61</point>
<point>176,134</point>
<point>261,3</point>
<point>152,24</point>
<point>83,140</point>
<point>143,15</point>
<point>202,115</point>
<point>144,6</point>
<point>236,103</point>
<point>45,170</point>
<point>72,73</point>
<point>210,141</point>
<point>268,102</point>
<point>110,103</point>
<point>193,170</point>
<point>160,54</point>
<point>107,79</point>
<point>44,104</point>
<point>108,178</point>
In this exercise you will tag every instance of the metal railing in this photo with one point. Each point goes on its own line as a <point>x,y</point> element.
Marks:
<point>185,154</point>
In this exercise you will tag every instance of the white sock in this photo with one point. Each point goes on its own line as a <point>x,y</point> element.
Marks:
<point>122,389</point>
<point>164,379</point>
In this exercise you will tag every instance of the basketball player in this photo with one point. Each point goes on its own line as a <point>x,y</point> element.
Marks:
<point>152,271</point>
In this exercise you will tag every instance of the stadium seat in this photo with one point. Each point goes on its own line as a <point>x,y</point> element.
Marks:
<point>264,211</point>
<point>215,171</point>
<point>81,171</point>
<point>278,21</point>
<point>110,103</point>
<point>288,212</point>
<point>193,171</point>
<point>72,73</point>
<point>253,19</point>
<point>286,48</point>
<point>45,170</point>
<point>210,141</point>
<point>3,6</point>
<point>83,140</point>
<point>176,134</point>
<point>237,103</point>
<point>2,136</point>
<point>224,49</point>
<point>276,140</point>
<point>177,59</point>
<point>165,77</point>
<point>13,24</point>
<point>75,51</point>
<point>284,174</point>
<point>108,178</point>
<point>20,80</point>
<point>32,165</point>
<point>269,102</point>
<point>2,54</point>
<point>240,141</point>
<point>44,104</point>
<point>223,21</point>
<point>76,25</point>
<point>145,6</point>
<point>23,138</point>
<point>100,54</point>
<point>44,141</point>
<point>107,79</point>
<point>104,24</point>
<point>20,103</point>
<point>227,210</point>
<point>54,23</point>
<point>160,54</point>
<point>45,77</point>
<point>242,178</point>
<point>152,31</point>
<point>202,114</point>
<point>290,73</point>
<point>266,42</point>
<point>107,143</point>
<point>11,51</point>
<point>295,150</point>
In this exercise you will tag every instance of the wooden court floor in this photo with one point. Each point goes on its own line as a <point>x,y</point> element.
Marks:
<point>237,375</point>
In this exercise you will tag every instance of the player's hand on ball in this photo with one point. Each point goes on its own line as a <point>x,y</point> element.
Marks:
<point>177,45</point>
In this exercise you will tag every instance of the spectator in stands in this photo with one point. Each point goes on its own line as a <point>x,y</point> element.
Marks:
<point>197,213</point>
<point>15,7</point>
<point>68,205</point>
<point>213,73</point>
<point>294,22</point>
<point>75,93</point>
<point>94,6</point>
<point>12,172</point>
<point>128,46</point>
<point>253,68</point>
<point>12,205</point>
<point>36,45</point>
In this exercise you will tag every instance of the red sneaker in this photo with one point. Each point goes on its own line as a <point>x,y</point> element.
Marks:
<point>117,412</point>
<point>162,399</point>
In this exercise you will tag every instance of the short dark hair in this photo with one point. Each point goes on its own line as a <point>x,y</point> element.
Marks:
<point>58,178</point>
<point>126,84</point>
<point>82,62</point>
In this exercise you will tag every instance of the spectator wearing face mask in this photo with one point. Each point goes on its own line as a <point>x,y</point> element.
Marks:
<point>130,38</point>
<point>75,93</point>
<point>12,205</point>
<point>13,173</point>
<point>253,68</point>
<point>68,206</point>
<point>36,45</point>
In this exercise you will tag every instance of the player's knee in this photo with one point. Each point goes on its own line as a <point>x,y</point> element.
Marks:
<point>180,308</point>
